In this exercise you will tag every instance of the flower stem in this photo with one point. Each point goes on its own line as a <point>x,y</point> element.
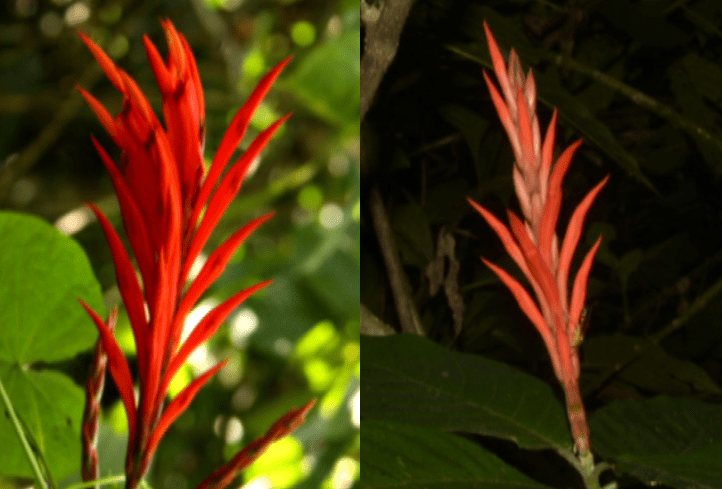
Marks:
<point>39,479</point>
<point>99,482</point>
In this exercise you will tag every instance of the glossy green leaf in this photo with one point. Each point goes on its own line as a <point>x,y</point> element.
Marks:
<point>410,379</point>
<point>674,441</point>
<point>413,457</point>
<point>43,275</point>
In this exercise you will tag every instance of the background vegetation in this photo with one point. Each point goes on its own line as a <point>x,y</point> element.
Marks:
<point>296,340</point>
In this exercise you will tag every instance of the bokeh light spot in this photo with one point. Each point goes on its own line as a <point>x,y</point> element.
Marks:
<point>303,33</point>
<point>331,216</point>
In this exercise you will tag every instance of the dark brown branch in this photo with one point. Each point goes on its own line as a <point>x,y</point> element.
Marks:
<point>383,30</point>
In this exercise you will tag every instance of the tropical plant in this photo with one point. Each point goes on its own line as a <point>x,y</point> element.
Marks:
<point>533,243</point>
<point>470,398</point>
<point>170,204</point>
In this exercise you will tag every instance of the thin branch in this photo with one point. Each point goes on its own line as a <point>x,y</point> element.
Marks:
<point>400,288</point>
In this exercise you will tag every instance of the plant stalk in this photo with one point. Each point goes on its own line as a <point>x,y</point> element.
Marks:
<point>39,479</point>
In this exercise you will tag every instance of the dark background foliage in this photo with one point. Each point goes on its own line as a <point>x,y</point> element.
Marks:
<point>306,341</point>
<point>641,82</point>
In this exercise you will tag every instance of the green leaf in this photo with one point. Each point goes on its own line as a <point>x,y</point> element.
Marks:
<point>665,440</point>
<point>693,105</point>
<point>43,275</point>
<point>472,127</point>
<point>51,407</point>
<point>399,455</point>
<point>654,371</point>
<point>410,379</point>
<point>327,80</point>
<point>414,239</point>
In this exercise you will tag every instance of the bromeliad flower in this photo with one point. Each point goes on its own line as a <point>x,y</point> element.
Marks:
<point>533,243</point>
<point>170,204</point>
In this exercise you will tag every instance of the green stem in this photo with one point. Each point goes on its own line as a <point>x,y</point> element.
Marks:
<point>99,482</point>
<point>39,479</point>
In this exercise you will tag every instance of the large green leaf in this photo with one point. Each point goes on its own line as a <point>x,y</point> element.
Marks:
<point>410,379</point>
<point>407,456</point>
<point>675,441</point>
<point>43,275</point>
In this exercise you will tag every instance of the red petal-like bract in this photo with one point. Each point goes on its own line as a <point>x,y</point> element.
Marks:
<point>163,190</point>
<point>532,242</point>
<point>288,423</point>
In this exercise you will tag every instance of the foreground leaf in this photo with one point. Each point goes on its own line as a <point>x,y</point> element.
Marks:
<point>410,379</point>
<point>43,275</point>
<point>50,405</point>
<point>675,441</point>
<point>406,456</point>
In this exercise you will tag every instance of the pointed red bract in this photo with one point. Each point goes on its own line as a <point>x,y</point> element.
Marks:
<point>288,423</point>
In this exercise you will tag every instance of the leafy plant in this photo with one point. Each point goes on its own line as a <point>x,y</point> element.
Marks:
<point>449,410</point>
<point>164,188</point>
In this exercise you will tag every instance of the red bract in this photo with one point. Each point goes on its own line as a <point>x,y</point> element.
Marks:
<point>533,243</point>
<point>163,189</point>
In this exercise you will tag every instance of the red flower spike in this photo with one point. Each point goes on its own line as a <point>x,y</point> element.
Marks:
<point>90,470</point>
<point>119,369</point>
<point>532,242</point>
<point>162,193</point>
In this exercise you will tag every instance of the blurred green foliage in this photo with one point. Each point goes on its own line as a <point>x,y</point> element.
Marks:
<point>297,339</point>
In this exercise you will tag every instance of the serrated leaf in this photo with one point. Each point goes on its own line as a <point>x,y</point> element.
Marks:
<point>410,379</point>
<point>406,456</point>
<point>675,441</point>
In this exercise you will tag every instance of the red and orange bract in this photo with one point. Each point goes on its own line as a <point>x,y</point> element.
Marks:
<point>533,243</point>
<point>163,189</point>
